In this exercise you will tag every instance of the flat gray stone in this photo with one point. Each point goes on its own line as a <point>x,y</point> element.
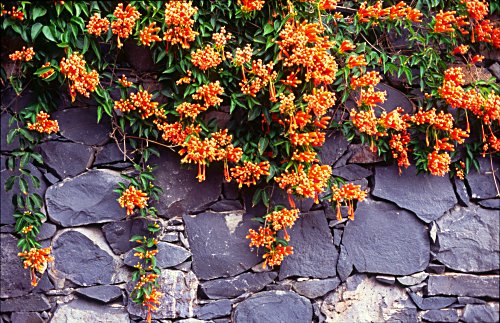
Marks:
<point>47,231</point>
<point>345,264</point>
<point>118,233</point>
<point>236,286</point>
<point>426,195</point>
<point>26,303</point>
<point>67,159</point>
<point>80,125</point>
<point>334,147</point>
<point>226,205</point>
<point>480,313</point>
<point>315,288</point>
<point>495,69</point>
<point>351,172</point>
<point>219,245</point>
<point>442,316</point>
<point>80,310</point>
<point>103,294</point>
<point>314,254</point>
<point>362,154</point>
<point>464,285</point>
<point>111,154</point>
<point>433,302</point>
<point>278,306</point>
<point>169,255</point>
<point>470,300</point>
<point>14,279</point>
<point>414,279</point>
<point>85,199</point>
<point>214,309</point>
<point>490,203</point>
<point>26,317</point>
<point>458,251</point>
<point>482,184</point>
<point>387,240</point>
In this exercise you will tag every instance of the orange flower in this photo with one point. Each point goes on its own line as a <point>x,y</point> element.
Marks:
<point>206,58</point>
<point>305,156</point>
<point>251,5</point>
<point>43,124</point>
<point>47,74</point>
<point>142,100</point>
<point>458,135</point>
<point>399,146</point>
<point>319,101</point>
<point>14,13</point>
<point>124,106</point>
<point>149,301</point>
<point>445,20</point>
<point>184,80</point>
<point>371,78</point>
<point>347,193</point>
<point>36,259</point>
<point>280,220</point>
<point>179,23</point>
<point>308,185</point>
<point>462,49</point>
<point>476,59</point>
<point>365,121</point>
<point>438,163</point>
<point>97,25</point>
<point>264,238</point>
<point>221,38</point>
<point>443,144</point>
<point>132,198</point>
<point>190,110</point>
<point>354,61</point>
<point>314,138</point>
<point>26,54</point>
<point>175,132</point>
<point>394,120</point>
<point>209,93</point>
<point>250,173</point>
<point>275,256</point>
<point>370,97</point>
<point>346,46</point>
<point>124,81</point>
<point>148,34</point>
<point>243,56</point>
<point>477,9</point>
<point>82,81</point>
<point>125,21</point>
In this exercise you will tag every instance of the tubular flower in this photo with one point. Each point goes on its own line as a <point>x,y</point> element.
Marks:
<point>275,256</point>
<point>308,185</point>
<point>445,20</point>
<point>185,79</point>
<point>150,301</point>
<point>132,198</point>
<point>250,173</point>
<point>346,46</point>
<point>206,58</point>
<point>371,78</point>
<point>438,163</point>
<point>124,81</point>
<point>261,76</point>
<point>314,138</point>
<point>320,101</point>
<point>365,122</point>
<point>43,124</point>
<point>200,152</point>
<point>190,110</point>
<point>175,132</point>
<point>458,135</point>
<point>347,194</point>
<point>124,23</point>
<point>365,13</point>
<point>148,34</point>
<point>142,100</point>
<point>443,144</point>
<point>251,5</point>
<point>221,38</point>
<point>209,93</point>
<point>243,56</point>
<point>14,13</point>
<point>477,9</point>
<point>280,220</point>
<point>399,147</point>
<point>494,143</point>
<point>441,121</point>
<point>179,23</point>
<point>462,49</point>
<point>264,238</point>
<point>74,69</point>
<point>47,74</point>
<point>124,106</point>
<point>476,59</point>
<point>394,120</point>
<point>26,54</point>
<point>305,156</point>
<point>354,61</point>
<point>36,259</point>
<point>371,98</point>
<point>291,80</point>
<point>97,25</point>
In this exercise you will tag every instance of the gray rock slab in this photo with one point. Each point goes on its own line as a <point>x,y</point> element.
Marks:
<point>315,288</point>
<point>111,153</point>
<point>26,303</point>
<point>169,255</point>
<point>468,239</point>
<point>495,69</point>
<point>387,240</point>
<point>80,125</point>
<point>334,147</point>
<point>236,286</point>
<point>314,254</point>
<point>14,279</point>
<point>182,193</point>
<point>490,203</point>
<point>47,231</point>
<point>480,313</point>
<point>482,183</point>
<point>89,265</point>
<point>414,279</point>
<point>118,233</point>
<point>80,310</point>
<point>433,302</point>
<point>442,316</point>
<point>345,264</point>
<point>278,306</point>
<point>470,300</point>
<point>214,309</point>
<point>219,245</point>
<point>67,159</point>
<point>226,205</point>
<point>26,317</point>
<point>103,294</point>
<point>85,199</point>
<point>351,172</point>
<point>426,195</point>
<point>362,154</point>
<point>464,285</point>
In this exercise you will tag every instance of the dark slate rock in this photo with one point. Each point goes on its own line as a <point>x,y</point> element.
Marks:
<point>456,248</point>
<point>426,195</point>
<point>278,306</point>
<point>480,313</point>
<point>315,288</point>
<point>395,99</point>
<point>14,279</point>
<point>461,190</point>
<point>387,240</point>
<point>89,265</point>
<point>85,199</point>
<point>345,265</point>
<point>226,205</point>
<point>404,315</point>
<point>26,317</point>
<point>118,233</point>
<point>230,190</point>
<point>47,231</point>
<point>104,294</point>
<point>236,286</point>
<point>314,254</point>
<point>110,154</point>
<point>449,315</point>
<point>337,236</point>
<point>170,237</point>
<point>169,255</point>
<point>9,228</point>
<point>464,285</point>
<point>26,303</point>
<point>413,279</point>
<point>432,303</point>
<point>490,203</point>
<point>481,183</point>
<point>362,154</point>
<point>436,268</point>
<point>219,245</point>
<point>67,159</point>
<point>4,130</point>
<point>214,310</point>
<point>80,125</point>
<point>495,69</point>
<point>351,172</point>
<point>470,300</point>
<point>278,197</point>
<point>80,310</point>
<point>388,280</point>
<point>334,147</point>
<point>182,193</point>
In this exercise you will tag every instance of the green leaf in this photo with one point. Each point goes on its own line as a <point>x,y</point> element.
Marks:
<point>38,12</point>
<point>48,33</point>
<point>35,30</point>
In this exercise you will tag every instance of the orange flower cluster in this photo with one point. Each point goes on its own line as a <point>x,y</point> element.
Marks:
<point>399,147</point>
<point>250,173</point>
<point>124,81</point>
<point>125,21</point>
<point>209,93</point>
<point>276,255</point>
<point>175,132</point>
<point>251,5</point>
<point>190,110</point>
<point>82,81</point>
<point>140,101</point>
<point>477,9</point>
<point>206,58</point>
<point>446,20</point>
<point>36,259</point>
<point>150,301</point>
<point>14,13</point>
<point>242,56</point>
<point>132,198</point>
<point>266,237</point>
<point>438,163</point>
<point>462,49</point>
<point>26,54</point>
<point>305,156</point>
<point>346,46</point>
<point>185,79</point>
<point>43,124</point>
<point>354,61</point>
<point>486,32</point>
<point>97,25</point>
<point>319,101</point>
<point>179,23</point>
<point>148,34</point>
<point>221,38</point>
<point>347,194</point>
<point>47,74</point>
<point>370,97</point>
<point>365,122</point>
<point>371,78</point>
<point>280,220</point>
<point>261,76</point>
<point>442,121</point>
<point>313,138</point>
<point>400,10</point>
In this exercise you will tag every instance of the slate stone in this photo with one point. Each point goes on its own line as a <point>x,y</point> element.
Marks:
<point>80,310</point>
<point>214,310</point>
<point>169,255</point>
<point>80,125</point>
<point>47,231</point>
<point>442,316</point>
<point>461,190</point>
<point>179,295</point>
<point>170,237</point>
<point>315,288</point>
<point>464,285</point>
<point>85,199</point>
<point>387,240</point>
<point>414,279</point>
<point>481,183</point>
<point>236,286</point>
<point>337,236</point>
<point>470,300</point>
<point>14,279</point>
<point>26,303</point>
<point>226,205</point>
<point>432,303</point>
<point>89,265</point>
<point>118,233</point>
<point>362,154</point>
<point>490,203</point>
<point>426,195</point>
<point>314,254</point>
<point>104,294</point>
<point>480,313</point>
<point>388,280</point>
<point>279,306</point>
<point>278,197</point>
<point>67,159</point>
<point>394,99</point>
<point>182,193</point>
<point>26,317</point>
<point>351,172</point>
<point>4,130</point>
<point>111,153</point>
<point>436,268</point>
<point>345,264</point>
<point>219,245</point>
<point>495,69</point>
<point>334,147</point>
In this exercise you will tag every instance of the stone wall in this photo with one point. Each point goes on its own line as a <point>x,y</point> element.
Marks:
<point>421,249</point>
